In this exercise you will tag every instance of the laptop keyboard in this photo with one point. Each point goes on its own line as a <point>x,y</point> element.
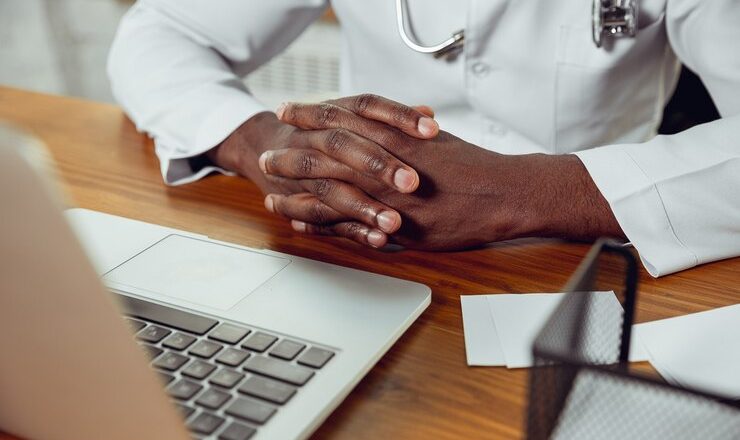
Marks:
<point>227,380</point>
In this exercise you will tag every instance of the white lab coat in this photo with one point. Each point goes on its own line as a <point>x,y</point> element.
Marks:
<point>530,80</point>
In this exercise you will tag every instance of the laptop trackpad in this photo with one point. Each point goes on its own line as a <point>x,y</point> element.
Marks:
<point>196,271</point>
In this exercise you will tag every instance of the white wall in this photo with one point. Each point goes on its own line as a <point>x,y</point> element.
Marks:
<point>60,47</point>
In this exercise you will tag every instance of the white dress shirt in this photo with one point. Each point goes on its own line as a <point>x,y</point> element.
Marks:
<point>529,80</point>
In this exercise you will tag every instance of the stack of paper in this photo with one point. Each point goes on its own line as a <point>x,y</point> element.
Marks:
<point>500,329</point>
<point>700,350</point>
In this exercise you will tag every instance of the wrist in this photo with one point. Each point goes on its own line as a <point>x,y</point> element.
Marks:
<point>241,150</point>
<point>561,200</point>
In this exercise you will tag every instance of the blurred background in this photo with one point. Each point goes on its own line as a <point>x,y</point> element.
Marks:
<point>60,47</point>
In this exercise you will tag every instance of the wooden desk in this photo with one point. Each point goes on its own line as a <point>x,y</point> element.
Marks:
<point>422,388</point>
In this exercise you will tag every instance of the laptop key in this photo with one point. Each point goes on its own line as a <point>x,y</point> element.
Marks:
<point>166,378</point>
<point>183,389</point>
<point>237,431</point>
<point>315,357</point>
<point>205,423</point>
<point>272,390</point>
<point>205,349</point>
<point>151,350</point>
<point>278,369</point>
<point>232,357</point>
<point>135,324</point>
<point>259,342</point>
<point>170,361</point>
<point>213,398</point>
<point>153,334</point>
<point>178,341</point>
<point>185,410</point>
<point>198,369</point>
<point>287,349</point>
<point>250,409</point>
<point>166,315</point>
<point>226,378</point>
<point>228,333</point>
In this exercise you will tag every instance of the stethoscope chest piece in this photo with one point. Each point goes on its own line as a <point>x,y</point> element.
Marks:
<point>614,18</point>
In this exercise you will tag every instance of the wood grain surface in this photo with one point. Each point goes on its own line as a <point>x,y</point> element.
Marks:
<point>422,388</point>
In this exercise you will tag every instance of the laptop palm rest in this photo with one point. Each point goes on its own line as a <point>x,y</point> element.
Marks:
<point>200,272</point>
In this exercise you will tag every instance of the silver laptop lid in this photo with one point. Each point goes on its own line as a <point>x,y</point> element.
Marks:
<point>69,368</point>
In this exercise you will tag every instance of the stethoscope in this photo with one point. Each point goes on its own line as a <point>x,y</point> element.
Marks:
<point>612,18</point>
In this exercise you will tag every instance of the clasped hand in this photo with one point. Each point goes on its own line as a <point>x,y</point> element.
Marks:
<point>376,171</point>
<point>373,170</point>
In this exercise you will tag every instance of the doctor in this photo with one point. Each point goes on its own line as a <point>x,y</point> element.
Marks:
<point>530,130</point>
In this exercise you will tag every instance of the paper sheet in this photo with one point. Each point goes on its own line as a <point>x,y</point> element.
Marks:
<point>504,335</point>
<point>481,341</point>
<point>599,405</point>
<point>700,350</point>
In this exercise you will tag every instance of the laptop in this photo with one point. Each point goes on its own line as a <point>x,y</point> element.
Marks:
<point>118,329</point>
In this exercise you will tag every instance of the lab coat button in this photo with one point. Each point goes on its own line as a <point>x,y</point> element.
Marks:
<point>481,69</point>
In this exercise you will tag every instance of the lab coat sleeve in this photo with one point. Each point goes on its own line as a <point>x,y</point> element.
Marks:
<point>677,198</point>
<point>176,67</point>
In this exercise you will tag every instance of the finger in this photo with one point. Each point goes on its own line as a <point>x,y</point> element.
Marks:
<point>344,154</point>
<point>390,113</point>
<point>328,116</point>
<point>351,230</point>
<point>405,118</point>
<point>354,203</point>
<point>303,163</point>
<point>304,207</point>
<point>283,185</point>
<point>425,109</point>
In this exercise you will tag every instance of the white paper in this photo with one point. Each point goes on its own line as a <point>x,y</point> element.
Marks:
<point>700,350</point>
<point>482,345</point>
<point>518,319</point>
<point>599,405</point>
<point>505,335</point>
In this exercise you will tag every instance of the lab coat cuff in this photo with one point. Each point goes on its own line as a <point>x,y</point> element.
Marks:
<point>177,167</point>
<point>637,205</point>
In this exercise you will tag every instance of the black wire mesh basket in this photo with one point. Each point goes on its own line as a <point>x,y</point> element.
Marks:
<point>581,386</point>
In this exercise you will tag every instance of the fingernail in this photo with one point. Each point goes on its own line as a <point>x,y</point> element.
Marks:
<point>376,238</point>
<point>387,221</point>
<point>298,225</point>
<point>263,160</point>
<point>405,180</point>
<point>280,110</point>
<point>427,126</point>
<point>270,203</point>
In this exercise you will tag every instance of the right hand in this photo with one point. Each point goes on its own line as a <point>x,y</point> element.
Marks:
<point>335,152</point>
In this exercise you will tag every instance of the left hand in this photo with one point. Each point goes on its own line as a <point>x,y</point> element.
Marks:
<point>467,195</point>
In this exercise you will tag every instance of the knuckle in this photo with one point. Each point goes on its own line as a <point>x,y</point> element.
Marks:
<point>322,187</point>
<point>402,115</point>
<point>363,210</point>
<point>375,164</point>
<point>326,114</point>
<point>305,164</point>
<point>337,141</point>
<point>364,102</point>
<point>356,231</point>
<point>317,214</point>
